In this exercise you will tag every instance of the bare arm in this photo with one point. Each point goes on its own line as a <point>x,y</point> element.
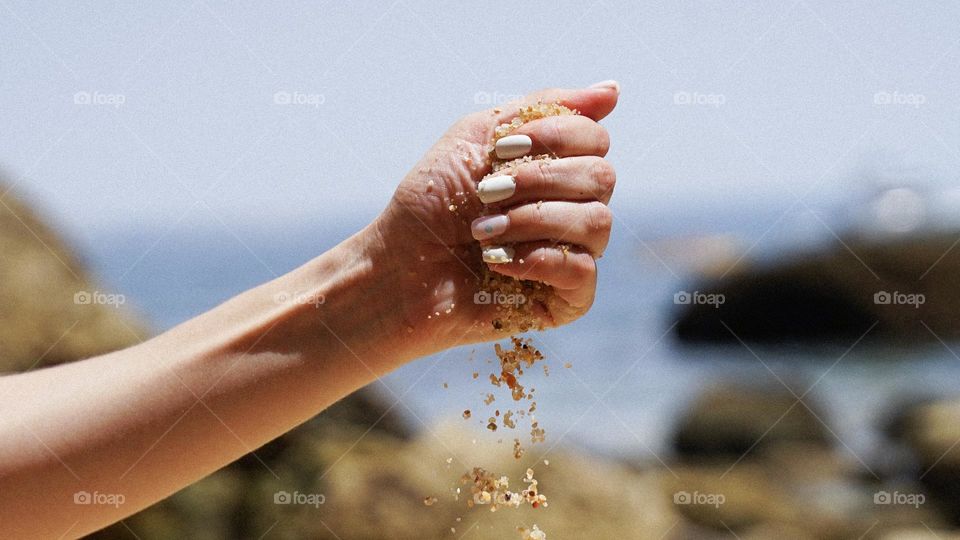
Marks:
<point>144,422</point>
<point>149,420</point>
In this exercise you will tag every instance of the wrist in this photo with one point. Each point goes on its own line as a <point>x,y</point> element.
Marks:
<point>359,309</point>
<point>339,309</point>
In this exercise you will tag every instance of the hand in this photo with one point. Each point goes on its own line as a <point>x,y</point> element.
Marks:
<point>432,235</point>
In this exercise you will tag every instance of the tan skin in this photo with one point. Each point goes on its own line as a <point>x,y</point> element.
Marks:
<point>149,420</point>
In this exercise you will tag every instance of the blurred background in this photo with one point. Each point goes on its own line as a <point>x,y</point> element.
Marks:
<point>772,350</point>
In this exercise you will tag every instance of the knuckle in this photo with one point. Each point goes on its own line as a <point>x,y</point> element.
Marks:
<point>599,218</point>
<point>605,177</point>
<point>581,268</point>
<point>546,177</point>
<point>555,130</point>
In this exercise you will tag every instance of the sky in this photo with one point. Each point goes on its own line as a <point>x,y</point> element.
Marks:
<point>135,119</point>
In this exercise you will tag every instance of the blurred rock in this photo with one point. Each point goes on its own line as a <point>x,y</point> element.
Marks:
<point>920,533</point>
<point>752,499</point>
<point>377,488</point>
<point>51,310</point>
<point>729,421</point>
<point>904,284</point>
<point>721,497</point>
<point>739,471</point>
<point>932,431</point>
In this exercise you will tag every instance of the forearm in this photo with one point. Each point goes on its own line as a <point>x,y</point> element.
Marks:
<point>147,421</point>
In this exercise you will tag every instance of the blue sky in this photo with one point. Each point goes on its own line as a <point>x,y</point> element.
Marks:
<point>729,109</point>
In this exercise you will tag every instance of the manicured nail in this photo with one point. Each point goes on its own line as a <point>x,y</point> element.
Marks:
<point>496,188</point>
<point>513,146</point>
<point>607,84</point>
<point>489,226</point>
<point>497,254</point>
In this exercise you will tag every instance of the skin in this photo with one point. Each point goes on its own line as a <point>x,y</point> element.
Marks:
<point>147,421</point>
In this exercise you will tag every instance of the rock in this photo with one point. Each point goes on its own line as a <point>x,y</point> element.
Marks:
<point>376,490</point>
<point>721,497</point>
<point>920,533</point>
<point>750,498</point>
<point>829,295</point>
<point>753,497</point>
<point>765,531</point>
<point>931,431</point>
<point>51,310</point>
<point>730,421</point>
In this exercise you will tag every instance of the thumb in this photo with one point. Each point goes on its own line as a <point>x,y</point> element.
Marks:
<point>594,102</point>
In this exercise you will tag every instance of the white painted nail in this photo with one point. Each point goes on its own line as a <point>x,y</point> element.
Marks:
<point>513,146</point>
<point>486,227</point>
<point>496,188</point>
<point>613,85</point>
<point>497,254</point>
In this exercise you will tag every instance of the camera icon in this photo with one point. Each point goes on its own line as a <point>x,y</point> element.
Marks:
<point>881,497</point>
<point>482,298</point>
<point>282,98</point>
<point>882,298</point>
<point>82,298</point>
<point>82,98</point>
<point>681,497</point>
<point>682,298</point>
<point>282,497</point>
<point>81,497</point>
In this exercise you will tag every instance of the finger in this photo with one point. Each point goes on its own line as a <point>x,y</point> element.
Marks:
<point>578,178</point>
<point>594,102</point>
<point>563,136</point>
<point>585,224</point>
<point>547,262</point>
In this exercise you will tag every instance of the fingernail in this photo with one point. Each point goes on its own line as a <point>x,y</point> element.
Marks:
<point>497,254</point>
<point>607,84</point>
<point>489,226</point>
<point>513,146</point>
<point>496,188</point>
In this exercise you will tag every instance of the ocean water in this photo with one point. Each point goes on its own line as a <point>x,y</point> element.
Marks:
<point>629,380</point>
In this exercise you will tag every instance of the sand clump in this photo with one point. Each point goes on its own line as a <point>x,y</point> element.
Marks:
<point>518,318</point>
